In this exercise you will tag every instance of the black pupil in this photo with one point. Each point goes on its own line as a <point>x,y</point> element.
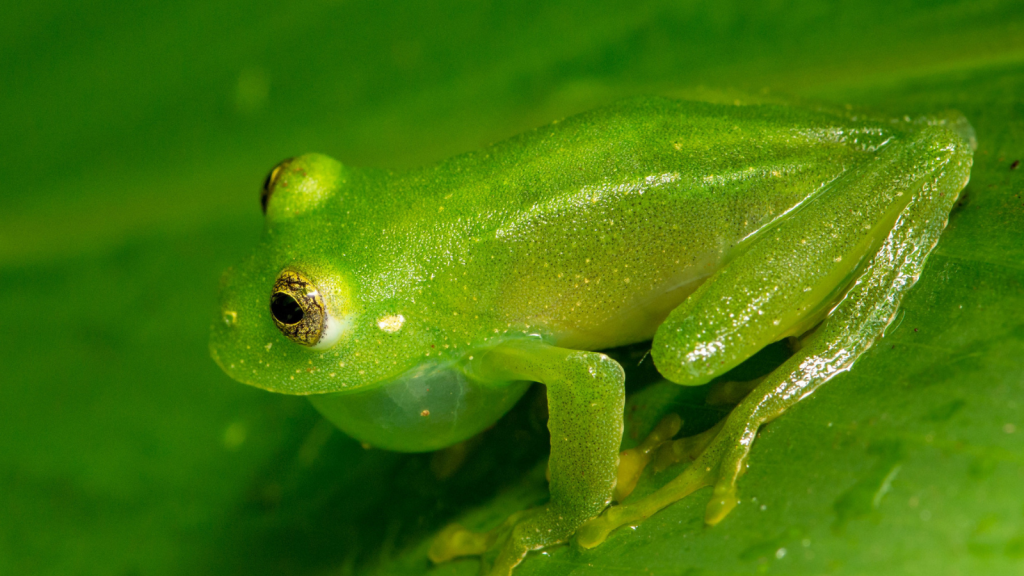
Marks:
<point>285,308</point>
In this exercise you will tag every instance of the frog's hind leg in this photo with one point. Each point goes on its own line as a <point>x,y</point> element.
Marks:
<point>689,336</point>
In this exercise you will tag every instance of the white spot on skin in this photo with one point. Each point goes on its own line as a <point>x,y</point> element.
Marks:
<point>704,350</point>
<point>391,323</point>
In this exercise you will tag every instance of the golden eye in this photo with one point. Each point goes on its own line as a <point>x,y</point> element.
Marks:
<point>268,184</point>
<point>297,308</point>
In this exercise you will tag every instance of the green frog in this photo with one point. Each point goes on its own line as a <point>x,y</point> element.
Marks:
<point>415,308</point>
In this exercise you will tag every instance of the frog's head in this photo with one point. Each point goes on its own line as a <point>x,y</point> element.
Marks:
<point>301,315</point>
<point>290,318</point>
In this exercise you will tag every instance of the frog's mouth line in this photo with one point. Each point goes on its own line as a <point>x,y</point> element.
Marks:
<point>245,366</point>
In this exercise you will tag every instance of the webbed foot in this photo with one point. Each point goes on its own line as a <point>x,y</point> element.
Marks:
<point>633,461</point>
<point>507,544</point>
<point>455,541</point>
<point>706,450</point>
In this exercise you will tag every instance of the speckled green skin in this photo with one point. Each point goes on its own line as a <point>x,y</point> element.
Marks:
<point>512,263</point>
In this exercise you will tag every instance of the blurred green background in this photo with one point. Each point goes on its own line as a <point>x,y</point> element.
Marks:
<point>133,141</point>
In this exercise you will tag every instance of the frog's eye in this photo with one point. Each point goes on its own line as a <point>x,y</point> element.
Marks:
<point>268,184</point>
<point>298,310</point>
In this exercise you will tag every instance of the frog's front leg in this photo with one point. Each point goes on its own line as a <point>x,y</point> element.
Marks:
<point>586,397</point>
<point>798,271</point>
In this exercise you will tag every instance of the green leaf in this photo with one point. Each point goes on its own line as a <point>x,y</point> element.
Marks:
<point>134,141</point>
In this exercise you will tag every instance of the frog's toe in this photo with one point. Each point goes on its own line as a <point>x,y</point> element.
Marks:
<point>596,531</point>
<point>633,461</point>
<point>455,541</point>
<point>702,472</point>
<point>502,548</point>
<point>730,392</point>
<point>685,449</point>
<point>723,500</point>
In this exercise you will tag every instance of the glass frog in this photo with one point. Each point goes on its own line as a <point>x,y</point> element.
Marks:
<point>415,308</point>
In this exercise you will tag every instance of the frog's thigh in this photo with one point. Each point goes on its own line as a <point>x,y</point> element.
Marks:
<point>786,281</point>
<point>852,327</point>
<point>775,288</point>
<point>586,397</point>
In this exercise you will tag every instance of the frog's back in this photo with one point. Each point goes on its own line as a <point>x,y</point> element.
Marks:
<point>592,229</point>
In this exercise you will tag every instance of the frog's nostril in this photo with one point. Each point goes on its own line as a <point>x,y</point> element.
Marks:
<point>285,309</point>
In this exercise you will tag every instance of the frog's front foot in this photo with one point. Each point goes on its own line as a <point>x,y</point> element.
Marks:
<point>586,396</point>
<point>455,541</point>
<point>506,544</point>
<point>633,461</point>
<point>708,451</point>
